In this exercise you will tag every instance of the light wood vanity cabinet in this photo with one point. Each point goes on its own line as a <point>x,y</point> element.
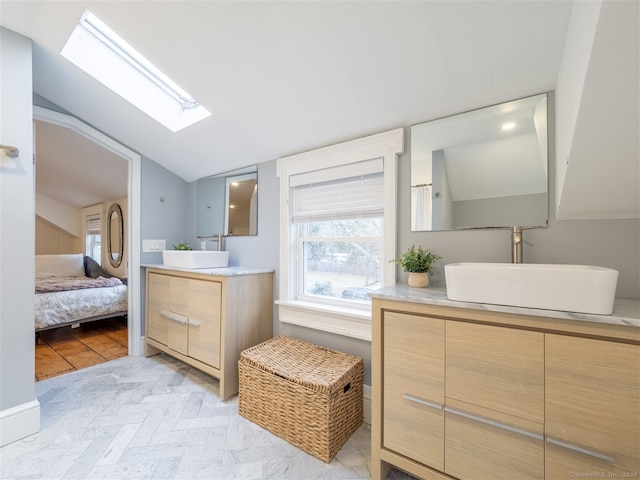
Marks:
<point>207,320</point>
<point>470,394</point>
<point>184,315</point>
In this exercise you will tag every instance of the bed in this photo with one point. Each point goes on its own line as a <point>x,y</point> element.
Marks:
<point>72,289</point>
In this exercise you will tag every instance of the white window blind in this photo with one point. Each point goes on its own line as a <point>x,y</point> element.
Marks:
<point>357,196</point>
<point>94,225</point>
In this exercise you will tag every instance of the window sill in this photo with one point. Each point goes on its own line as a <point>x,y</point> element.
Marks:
<point>348,322</point>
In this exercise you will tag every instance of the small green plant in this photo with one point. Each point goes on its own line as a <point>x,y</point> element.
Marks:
<point>417,260</point>
<point>182,246</point>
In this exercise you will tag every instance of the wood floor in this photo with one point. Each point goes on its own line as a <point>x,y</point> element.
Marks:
<point>66,349</point>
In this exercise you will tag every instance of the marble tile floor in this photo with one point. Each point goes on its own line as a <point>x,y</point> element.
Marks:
<point>157,418</point>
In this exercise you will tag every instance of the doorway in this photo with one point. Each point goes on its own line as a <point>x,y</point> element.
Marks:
<point>135,341</point>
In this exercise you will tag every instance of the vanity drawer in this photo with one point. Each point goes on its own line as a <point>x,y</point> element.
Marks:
<point>484,444</point>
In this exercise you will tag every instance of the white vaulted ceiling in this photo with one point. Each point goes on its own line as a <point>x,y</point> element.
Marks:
<point>286,77</point>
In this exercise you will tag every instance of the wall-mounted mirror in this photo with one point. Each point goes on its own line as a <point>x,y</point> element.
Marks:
<point>115,235</point>
<point>484,168</point>
<point>228,203</point>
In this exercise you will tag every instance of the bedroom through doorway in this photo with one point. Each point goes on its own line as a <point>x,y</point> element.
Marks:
<point>65,349</point>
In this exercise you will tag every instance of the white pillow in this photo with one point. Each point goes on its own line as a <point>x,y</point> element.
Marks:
<point>65,265</point>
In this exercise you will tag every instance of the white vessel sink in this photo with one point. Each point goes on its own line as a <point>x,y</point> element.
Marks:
<point>195,258</point>
<point>569,288</point>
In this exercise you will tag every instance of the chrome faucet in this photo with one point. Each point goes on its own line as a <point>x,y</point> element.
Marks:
<point>214,238</point>
<point>516,244</point>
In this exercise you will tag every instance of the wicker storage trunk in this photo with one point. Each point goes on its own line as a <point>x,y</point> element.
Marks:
<point>308,395</point>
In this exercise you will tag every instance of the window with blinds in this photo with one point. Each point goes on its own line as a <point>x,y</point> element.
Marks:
<point>339,225</point>
<point>93,237</point>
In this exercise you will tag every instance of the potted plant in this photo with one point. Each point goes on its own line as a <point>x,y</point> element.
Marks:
<point>182,246</point>
<point>418,262</point>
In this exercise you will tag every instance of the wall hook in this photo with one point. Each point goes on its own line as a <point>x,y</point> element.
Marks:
<point>10,151</point>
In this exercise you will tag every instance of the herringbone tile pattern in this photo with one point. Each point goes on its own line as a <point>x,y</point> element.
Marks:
<point>156,418</point>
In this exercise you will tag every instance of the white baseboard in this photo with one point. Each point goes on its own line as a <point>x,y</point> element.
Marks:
<point>19,422</point>
<point>366,400</point>
<point>137,350</point>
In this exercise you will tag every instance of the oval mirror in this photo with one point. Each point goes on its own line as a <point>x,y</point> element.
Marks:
<point>115,235</point>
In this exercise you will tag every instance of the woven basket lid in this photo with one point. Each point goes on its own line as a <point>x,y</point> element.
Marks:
<point>313,366</point>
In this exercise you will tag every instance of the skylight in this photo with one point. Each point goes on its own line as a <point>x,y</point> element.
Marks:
<point>104,55</point>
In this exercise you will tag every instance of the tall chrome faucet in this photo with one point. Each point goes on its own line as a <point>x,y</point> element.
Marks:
<point>215,238</point>
<point>516,244</point>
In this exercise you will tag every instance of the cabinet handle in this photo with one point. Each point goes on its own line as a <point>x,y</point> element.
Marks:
<point>176,317</point>
<point>421,401</point>
<point>574,448</point>
<point>194,323</point>
<point>493,423</point>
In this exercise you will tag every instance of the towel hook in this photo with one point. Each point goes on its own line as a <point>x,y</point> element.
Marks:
<point>10,151</point>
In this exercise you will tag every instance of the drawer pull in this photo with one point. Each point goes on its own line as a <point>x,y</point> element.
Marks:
<point>421,401</point>
<point>493,423</point>
<point>176,317</point>
<point>194,323</point>
<point>574,448</point>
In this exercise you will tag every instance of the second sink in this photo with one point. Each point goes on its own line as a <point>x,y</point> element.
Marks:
<point>569,288</point>
<point>195,259</point>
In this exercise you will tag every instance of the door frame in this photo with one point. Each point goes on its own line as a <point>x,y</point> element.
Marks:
<point>135,338</point>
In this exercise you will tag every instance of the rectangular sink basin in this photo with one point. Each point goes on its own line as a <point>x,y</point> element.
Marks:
<point>568,288</point>
<point>195,258</point>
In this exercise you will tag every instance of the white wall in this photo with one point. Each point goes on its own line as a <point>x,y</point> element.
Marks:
<point>571,76</point>
<point>598,114</point>
<point>62,215</point>
<point>19,409</point>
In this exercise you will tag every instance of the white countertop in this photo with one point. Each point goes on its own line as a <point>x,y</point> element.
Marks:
<point>626,311</point>
<point>220,272</point>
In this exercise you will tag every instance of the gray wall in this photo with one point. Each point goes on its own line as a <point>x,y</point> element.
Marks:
<point>165,213</point>
<point>17,230</point>
<point>165,209</point>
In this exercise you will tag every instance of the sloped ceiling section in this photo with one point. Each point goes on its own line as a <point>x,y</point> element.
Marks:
<point>74,170</point>
<point>286,77</point>
<point>602,178</point>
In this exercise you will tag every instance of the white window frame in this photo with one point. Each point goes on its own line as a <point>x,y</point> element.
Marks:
<point>87,212</point>
<point>87,250</point>
<point>351,322</point>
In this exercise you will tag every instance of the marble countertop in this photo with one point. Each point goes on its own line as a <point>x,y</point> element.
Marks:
<point>626,311</point>
<point>219,272</point>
